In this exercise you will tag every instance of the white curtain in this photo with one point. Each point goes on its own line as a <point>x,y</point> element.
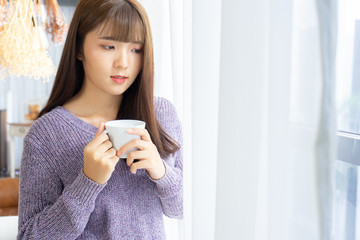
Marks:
<point>167,22</point>
<point>326,138</point>
<point>263,94</point>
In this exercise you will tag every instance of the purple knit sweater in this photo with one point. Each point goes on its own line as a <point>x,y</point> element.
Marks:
<point>57,201</point>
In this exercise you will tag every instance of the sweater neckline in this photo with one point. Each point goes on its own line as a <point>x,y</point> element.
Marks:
<point>79,123</point>
<point>74,120</point>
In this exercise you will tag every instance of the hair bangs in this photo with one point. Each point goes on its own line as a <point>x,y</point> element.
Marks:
<point>124,25</point>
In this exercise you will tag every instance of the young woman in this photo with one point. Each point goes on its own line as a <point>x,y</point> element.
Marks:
<point>72,183</point>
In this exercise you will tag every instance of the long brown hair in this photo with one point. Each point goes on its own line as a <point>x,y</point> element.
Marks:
<point>129,23</point>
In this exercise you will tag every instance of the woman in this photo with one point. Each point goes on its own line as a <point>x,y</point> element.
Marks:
<point>72,184</point>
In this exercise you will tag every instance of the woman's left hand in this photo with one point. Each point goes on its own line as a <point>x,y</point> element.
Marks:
<point>148,155</point>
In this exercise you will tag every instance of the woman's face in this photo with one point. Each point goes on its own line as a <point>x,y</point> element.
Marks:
<point>109,65</point>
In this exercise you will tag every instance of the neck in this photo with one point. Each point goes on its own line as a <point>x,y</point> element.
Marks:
<point>93,105</point>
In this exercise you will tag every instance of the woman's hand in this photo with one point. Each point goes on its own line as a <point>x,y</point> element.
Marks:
<point>148,155</point>
<point>99,157</point>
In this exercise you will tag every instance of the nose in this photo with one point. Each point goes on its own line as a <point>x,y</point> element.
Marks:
<point>121,60</point>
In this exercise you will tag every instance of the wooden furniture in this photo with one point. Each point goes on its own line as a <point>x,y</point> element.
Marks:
<point>3,145</point>
<point>16,130</point>
<point>9,196</point>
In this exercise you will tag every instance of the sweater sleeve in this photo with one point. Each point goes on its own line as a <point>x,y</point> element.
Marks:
<point>170,187</point>
<point>46,209</point>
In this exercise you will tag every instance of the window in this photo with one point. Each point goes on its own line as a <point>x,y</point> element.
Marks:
<point>347,214</point>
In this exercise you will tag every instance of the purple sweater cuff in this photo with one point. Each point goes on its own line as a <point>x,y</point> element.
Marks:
<point>168,183</point>
<point>84,190</point>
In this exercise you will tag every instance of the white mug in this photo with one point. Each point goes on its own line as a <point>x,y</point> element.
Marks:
<point>116,130</point>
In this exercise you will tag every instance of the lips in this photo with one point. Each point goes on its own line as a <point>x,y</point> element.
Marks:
<point>118,78</point>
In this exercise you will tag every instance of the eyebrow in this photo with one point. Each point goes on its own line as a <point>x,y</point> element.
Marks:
<point>116,40</point>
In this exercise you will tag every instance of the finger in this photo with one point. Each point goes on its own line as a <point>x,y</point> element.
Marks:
<point>114,160</point>
<point>101,128</point>
<point>99,139</point>
<point>132,156</point>
<point>135,143</point>
<point>110,153</point>
<point>105,146</point>
<point>138,165</point>
<point>143,133</point>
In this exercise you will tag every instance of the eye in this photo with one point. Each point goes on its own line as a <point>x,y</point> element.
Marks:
<point>107,47</point>
<point>137,50</point>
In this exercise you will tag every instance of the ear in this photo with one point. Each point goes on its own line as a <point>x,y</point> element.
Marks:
<point>79,56</point>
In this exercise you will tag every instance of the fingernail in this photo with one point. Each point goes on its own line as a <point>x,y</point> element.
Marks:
<point>130,130</point>
<point>134,172</point>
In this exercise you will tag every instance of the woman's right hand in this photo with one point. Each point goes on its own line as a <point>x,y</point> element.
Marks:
<point>100,157</point>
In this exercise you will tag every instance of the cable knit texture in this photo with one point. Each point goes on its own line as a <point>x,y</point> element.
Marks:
<point>57,201</point>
